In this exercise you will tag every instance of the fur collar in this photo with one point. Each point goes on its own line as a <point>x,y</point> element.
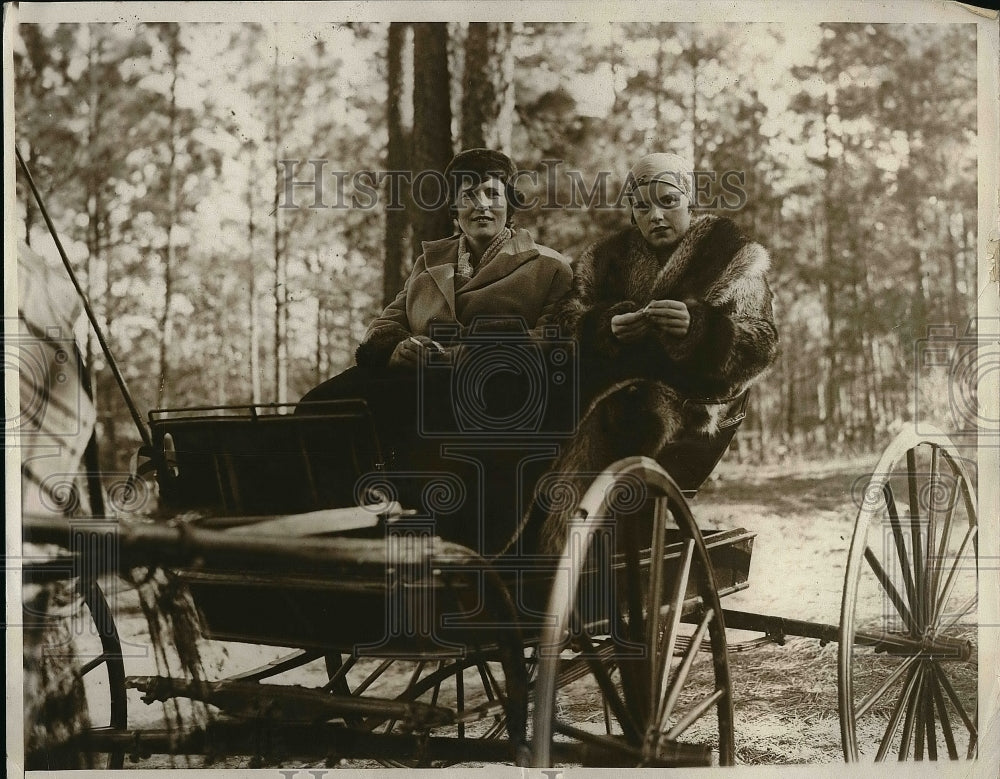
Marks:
<point>699,260</point>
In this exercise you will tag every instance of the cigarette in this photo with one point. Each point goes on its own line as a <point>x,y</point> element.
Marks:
<point>435,344</point>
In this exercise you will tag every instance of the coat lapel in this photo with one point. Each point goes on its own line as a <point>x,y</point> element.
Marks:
<point>439,256</point>
<point>517,251</point>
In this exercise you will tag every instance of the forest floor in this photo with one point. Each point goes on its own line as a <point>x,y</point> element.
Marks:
<point>785,696</point>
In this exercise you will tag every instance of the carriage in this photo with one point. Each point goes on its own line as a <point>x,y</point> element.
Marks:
<point>612,653</point>
<point>286,530</point>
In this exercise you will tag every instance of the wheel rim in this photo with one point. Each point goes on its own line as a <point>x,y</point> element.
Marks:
<point>110,659</point>
<point>908,657</point>
<point>660,705</point>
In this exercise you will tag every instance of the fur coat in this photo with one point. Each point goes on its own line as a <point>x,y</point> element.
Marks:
<point>524,280</point>
<point>641,396</point>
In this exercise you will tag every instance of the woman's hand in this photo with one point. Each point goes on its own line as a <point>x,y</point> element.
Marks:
<point>670,317</point>
<point>629,328</point>
<point>410,351</point>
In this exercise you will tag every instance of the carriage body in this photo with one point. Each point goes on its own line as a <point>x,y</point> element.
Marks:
<point>237,468</point>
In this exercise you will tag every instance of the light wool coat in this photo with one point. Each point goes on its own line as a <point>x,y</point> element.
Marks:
<point>523,280</point>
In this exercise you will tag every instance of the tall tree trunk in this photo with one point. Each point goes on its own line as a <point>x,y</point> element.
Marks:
<point>828,370</point>
<point>694,60</point>
<point>861,346</point>
<point>253,307</point>
<point>399,118</point>
<point>955,312</point>
<point>432,148</point>
<point>658,93</point>
<point>488,96</point>
<point>280,269</point>
<point>93,178</point>
<point>918,311</point>
<point>169,250</point>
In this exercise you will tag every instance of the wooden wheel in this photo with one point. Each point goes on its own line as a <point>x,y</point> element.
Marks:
<point>908,657</point>
<point>634,600</point>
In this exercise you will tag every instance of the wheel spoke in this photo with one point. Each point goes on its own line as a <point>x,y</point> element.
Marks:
<point>911,710</point>
<point>373,676</point>
<point>656,569</point>
<point>92,664</point>
<point>929,717</point>
<point>693,714</point>
<point>670,700</point>
<point>603,678</point>
<point>949,737</point>
<point>901,551</point>
<point>949,582</point>
<point>437,687</point>
<point>605,743</point>
<point>919,718</point>
<point>416,673</point>
<point>940,555</point>
<point>897,714</point>
<point>493,690</point>
<point>960,612</point>
<point>890,590</point>
<point>927,599</point>
<point>631,629</point>
<point>919,571</point>
<point>873,697</point>
<point>341,674</point>
<point>953,696</point>
<point>676,609</point>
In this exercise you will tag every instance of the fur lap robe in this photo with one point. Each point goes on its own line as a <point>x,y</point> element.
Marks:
<point>641,396</point>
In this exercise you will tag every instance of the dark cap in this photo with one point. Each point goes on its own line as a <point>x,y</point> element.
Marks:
<point>481,163</point>
<point>472,166</point>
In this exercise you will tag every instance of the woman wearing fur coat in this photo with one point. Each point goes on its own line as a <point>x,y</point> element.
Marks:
<point>673,321</point>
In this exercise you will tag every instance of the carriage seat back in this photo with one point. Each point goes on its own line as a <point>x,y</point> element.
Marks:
<point>254,460</point>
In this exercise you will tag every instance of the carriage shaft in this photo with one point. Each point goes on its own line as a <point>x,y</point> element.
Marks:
<point>778,628</point>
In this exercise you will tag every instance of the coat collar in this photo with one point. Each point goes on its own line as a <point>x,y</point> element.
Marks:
<point>679,262</point>
<point>440,257</point>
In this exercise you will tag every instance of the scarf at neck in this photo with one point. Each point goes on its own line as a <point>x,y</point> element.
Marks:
<point>464,269</point>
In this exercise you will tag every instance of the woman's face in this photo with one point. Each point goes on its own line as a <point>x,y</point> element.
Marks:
<point>482,210</point>
<point>661,213</point>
